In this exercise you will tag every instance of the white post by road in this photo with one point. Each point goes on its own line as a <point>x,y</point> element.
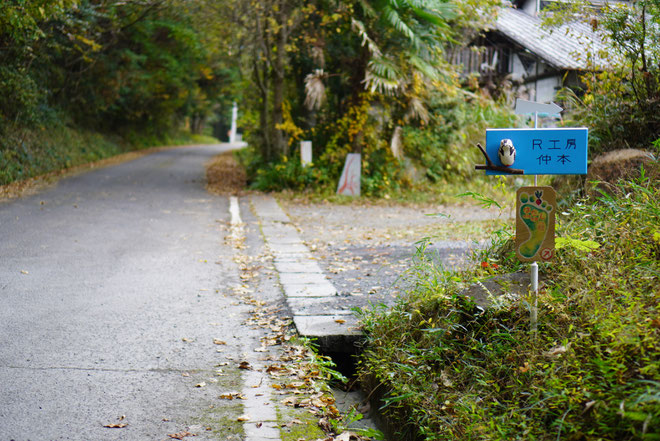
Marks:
<point>534,310</point>
<point>232,131</point>
<point>305,153</point>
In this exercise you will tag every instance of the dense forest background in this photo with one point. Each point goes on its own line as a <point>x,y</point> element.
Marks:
<point>84,79</point>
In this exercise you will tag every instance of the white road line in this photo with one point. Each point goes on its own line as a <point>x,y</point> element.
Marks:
<point>235,211</point>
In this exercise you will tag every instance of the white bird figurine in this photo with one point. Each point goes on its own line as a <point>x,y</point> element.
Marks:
<point>507,153</point>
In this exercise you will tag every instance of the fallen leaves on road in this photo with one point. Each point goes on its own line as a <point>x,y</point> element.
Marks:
<point>232,396</point>
<point>117,425</point>
<point>286,368</point>
<point>181,435</point>
<point>217,341</point>
<point>292,422</point>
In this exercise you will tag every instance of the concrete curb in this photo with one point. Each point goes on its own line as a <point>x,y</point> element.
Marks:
<point>309,293</point>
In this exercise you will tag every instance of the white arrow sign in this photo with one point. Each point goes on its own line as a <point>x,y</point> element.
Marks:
<point>523,107</point>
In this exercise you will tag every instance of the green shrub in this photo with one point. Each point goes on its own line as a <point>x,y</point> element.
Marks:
<point>442,150</point>
<point>445,148</point>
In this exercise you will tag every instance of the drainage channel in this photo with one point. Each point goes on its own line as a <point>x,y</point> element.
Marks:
<point>317,309</point>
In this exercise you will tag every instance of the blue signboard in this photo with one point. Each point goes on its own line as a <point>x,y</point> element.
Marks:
<point>542,151</point>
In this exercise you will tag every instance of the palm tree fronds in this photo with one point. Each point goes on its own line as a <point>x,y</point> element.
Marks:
<point>314,89</point>
<point>417,110</point>
<point>382,76</point>
<point>396,144</point>
<point>391,15</point>
<point>437,16</point>
<point>358,27</point>
<point>424,67</point>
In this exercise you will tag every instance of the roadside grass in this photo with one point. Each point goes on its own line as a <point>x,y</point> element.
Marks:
<point>446,369</point>
<point>423,193</point>
<point>26,153</point>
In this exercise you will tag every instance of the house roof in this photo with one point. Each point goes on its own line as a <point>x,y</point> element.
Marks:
<point>564,47</point>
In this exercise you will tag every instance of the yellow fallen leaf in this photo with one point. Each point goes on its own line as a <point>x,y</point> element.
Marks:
<point>219,342</point>
<point>340,321</point>
<point>24,272</point>
<point>289,401</point>
<point>291,423</point>
<point>116,425</point>
<point>180,435</point>
<point>232,396</point>
<point>243,418</point>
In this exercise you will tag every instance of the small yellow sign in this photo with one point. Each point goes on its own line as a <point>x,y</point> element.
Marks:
<point>535,223</point>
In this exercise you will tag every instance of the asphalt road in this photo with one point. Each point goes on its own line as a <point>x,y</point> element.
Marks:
<point>109,302</point>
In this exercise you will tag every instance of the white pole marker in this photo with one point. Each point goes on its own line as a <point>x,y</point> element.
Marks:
<point>305,153</point>
<point>232,130</point>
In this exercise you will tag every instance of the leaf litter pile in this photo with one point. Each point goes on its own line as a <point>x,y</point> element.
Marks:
<point>225,176</point>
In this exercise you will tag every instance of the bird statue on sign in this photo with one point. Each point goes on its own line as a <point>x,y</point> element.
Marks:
<point>507,153</point>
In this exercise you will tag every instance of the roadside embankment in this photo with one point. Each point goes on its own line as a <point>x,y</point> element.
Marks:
<point>445,368</point>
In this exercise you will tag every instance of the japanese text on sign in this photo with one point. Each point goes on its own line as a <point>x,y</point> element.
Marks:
<point>543,151</point>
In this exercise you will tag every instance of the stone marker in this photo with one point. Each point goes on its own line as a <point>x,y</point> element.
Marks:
<point>349,183</point>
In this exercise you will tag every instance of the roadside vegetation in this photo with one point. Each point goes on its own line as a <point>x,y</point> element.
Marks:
<point>364,77</point>
<point>618,102</point>
<point>82,80</point>
<point>442,367</point>
<point>447,369</point>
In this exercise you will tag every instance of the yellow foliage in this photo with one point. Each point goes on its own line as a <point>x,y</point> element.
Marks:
<point>294,132</point>
<point>206,72</point>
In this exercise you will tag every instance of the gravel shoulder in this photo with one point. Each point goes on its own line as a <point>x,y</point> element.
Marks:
<point>365,249</point>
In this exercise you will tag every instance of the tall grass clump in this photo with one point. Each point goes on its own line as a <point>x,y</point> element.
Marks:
<point>445,368</point>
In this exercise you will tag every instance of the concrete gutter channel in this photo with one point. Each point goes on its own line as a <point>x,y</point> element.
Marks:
<point>309,294</point>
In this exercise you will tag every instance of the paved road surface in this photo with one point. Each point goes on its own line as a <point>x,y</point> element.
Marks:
<point>108,301</point>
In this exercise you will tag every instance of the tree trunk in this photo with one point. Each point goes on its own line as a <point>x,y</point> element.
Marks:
<point>261,78</point>
<point>279,141</point>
